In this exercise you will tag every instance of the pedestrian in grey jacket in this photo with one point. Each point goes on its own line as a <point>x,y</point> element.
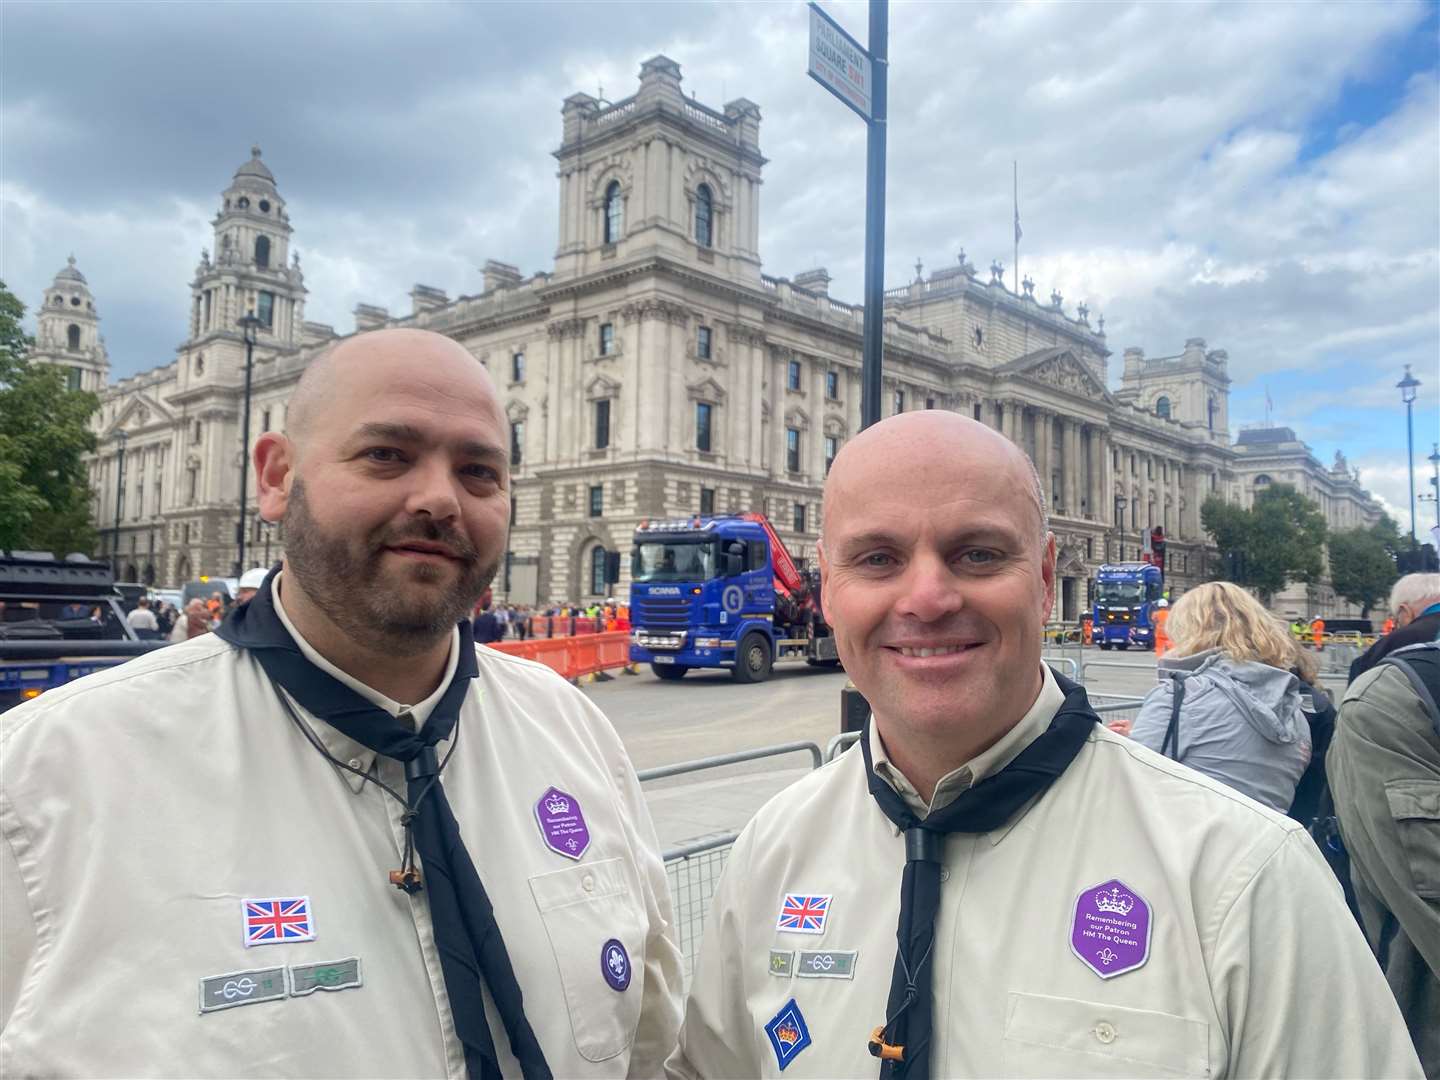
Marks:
<point>1240,719</point>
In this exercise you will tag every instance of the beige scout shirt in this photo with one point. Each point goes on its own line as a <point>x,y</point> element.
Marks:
<point>142,805</point>
<point>1254,966</point>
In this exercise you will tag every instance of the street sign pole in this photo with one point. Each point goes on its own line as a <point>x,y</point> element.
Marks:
<point>858,77</point>
<point>875,215</point>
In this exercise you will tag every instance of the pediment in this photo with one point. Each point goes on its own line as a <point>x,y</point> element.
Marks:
<point>601,387</point>
<point>706,389</point>
<point>1062,369</point>
<point>140,412</point>
<point>516,411</point>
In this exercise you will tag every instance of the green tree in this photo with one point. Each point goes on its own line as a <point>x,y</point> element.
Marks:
<point>1280,539</point>
<point>44,435</point>
<point>1362,563</point>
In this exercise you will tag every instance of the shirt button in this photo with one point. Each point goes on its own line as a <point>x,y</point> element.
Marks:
<point>588,883</point>
<point>354,762</point>
<point>1105,1032</point>
<point>944,874</point>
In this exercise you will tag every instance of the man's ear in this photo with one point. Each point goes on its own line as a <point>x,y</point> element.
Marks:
<point>1047,573</point>
<point>274,470</point>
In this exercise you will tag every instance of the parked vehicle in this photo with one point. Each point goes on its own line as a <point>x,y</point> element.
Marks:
<point>1125,598</point>
<point>722,592</point>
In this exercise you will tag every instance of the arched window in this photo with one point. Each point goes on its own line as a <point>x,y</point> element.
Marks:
<point>597,570</point>
<point>262,252</point>
<point>1263,480</point>
<point>704,217</point>
<point>1162,407</point>
<point>72,336</point>
<point>1210,410</point>
<point>614,213</point>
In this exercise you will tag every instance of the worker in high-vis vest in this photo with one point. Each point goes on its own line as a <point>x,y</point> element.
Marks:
<point>1162,640</point>
<point>1317,633</point>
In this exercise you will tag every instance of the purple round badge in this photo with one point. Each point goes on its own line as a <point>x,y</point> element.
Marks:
<point>615,965</point>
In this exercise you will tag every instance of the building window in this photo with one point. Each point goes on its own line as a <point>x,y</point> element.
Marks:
<point>979,338</point>
<point>1210,410</point>
<point>262,252</point>
<point>792,449</point>
<point>1162,407</point>
<point>607,339</point>
<point>597,571</point>
<point>517,442</point>
<point>597,500</point>
<point>517,367</point>
<point>194,489</point>
<point>792,375</point>
<point>198,433</point>
<point>975,412</point>
<point>265,308</point>
<point>929,403</point>
<point>799,521</point>
<point>265,420</point>
<point>704,217</point>
<point>702,426</point>
<point>158,482</point>
<point>1263,480</point>
<point>614,213</point>
<point>200,363</point>
<point>72,337</point>
<point>1149,468</point>
<point>702,343</point>
<point>832,447</point>
<point>602,424</point>
<point>72,379</point>
<point>832,385</point>
<point>899,401</point>
<point>707,502</point>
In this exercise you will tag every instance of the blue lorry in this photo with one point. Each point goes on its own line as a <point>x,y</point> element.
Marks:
<point>722,592</point>
<point>1125,598</point>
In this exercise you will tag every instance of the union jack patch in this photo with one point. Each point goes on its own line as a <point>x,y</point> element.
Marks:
<point>801,913</point>
<point>275,920</point>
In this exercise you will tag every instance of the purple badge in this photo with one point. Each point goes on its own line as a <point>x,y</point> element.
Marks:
<point>615,965</point>
<point>562,824</point>
<point>1111,931</point>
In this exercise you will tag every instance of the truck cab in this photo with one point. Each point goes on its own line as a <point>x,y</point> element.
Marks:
<point>720,592</point>
<point>1125,598</point>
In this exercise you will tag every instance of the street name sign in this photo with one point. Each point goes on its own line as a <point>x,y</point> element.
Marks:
<point>838,63</point>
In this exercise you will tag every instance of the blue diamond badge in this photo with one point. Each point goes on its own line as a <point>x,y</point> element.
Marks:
<point>788,1033</point>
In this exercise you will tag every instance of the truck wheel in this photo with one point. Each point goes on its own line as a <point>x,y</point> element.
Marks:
<point>669,672</point>
<point>1123,646</point>
<point>752,659</point>
<point>822,663</point>
<point>1105,646</point>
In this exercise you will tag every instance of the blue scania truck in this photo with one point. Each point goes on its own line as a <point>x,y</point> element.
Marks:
<point>722,592</point>
<point>1125,599</point>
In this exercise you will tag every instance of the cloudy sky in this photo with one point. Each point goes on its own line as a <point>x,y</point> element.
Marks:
<point>1266,177</point>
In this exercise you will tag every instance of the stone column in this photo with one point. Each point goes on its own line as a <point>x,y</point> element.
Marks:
<point>1044,424</point>
<point>1069,467</point>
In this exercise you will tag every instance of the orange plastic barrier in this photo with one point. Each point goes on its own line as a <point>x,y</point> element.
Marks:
<point>572,657</point>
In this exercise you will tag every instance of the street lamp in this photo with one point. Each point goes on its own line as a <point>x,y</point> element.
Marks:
<point>119,502</point>
<point>1434,496</point>
<point>249,325</point>
<point>1120,504</point>
<point>1407,387</point>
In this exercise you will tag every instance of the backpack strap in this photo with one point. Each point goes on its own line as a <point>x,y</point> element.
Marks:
<point>1172,732</point>
<point>1420,665</point>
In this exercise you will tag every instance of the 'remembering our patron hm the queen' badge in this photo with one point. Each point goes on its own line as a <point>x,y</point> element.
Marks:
<point>562,823</point>
<point>1110,932</point>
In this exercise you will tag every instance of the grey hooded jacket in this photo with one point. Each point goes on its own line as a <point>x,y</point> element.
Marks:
<point>1240,723</point>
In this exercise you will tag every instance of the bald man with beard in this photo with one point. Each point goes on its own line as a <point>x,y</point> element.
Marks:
<point>335,838</point>
<point>991,883</point>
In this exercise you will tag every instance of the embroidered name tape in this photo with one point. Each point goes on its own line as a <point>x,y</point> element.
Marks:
<point>330,975</point>
<point>826,964</point>
<point>274,920</point>
<point>803,913</point>
<point>241,988</point>
<point>788,1034</point>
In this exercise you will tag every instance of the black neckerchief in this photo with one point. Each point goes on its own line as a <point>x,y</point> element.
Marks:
<point>903,1044</point>
<point>467,937</point>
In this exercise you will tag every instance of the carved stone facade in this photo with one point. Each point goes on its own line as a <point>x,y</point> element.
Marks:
<point>657,372</point>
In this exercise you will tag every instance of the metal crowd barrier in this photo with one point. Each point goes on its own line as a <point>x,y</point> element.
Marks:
<point>1074,673</point>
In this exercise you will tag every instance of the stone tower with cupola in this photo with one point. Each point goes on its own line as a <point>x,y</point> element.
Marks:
<point>251,271</point>
<point>67,331</point>
<point>659,174</point>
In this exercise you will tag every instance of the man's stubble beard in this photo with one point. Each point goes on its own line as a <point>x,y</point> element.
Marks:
<point>349,588</point>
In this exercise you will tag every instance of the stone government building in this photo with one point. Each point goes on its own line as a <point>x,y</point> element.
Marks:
<point>655,371</point>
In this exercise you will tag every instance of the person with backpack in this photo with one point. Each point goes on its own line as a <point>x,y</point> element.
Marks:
<point>1227,703</point>
<point>1384,770</point>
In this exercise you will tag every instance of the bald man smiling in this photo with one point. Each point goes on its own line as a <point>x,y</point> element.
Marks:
<point>991,883</point>
<point>335,838</point>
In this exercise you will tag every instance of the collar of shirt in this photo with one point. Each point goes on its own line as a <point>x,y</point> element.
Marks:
<point>1005,750</point>
<point>340,746</point>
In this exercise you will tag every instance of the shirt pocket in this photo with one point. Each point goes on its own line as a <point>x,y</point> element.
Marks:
<point>583,908</point>
<point>1415,806</point>
<point>1054,1037</point>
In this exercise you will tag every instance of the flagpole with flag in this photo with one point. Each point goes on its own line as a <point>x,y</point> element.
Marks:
<point>1016,165</point>
<point>1269,406</point>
